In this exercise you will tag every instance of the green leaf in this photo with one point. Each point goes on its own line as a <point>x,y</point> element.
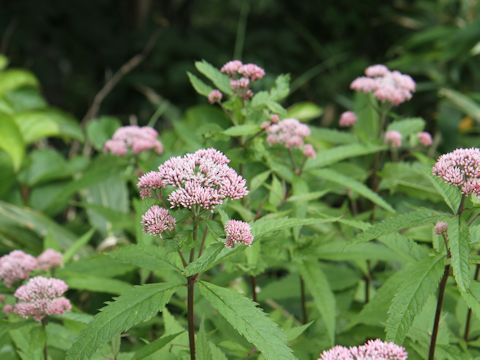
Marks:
<point>96,283</point>
<point>199,86</point>
<point>281,89</point>
<point>419,282</point>
<point>77,245</point>
<point>462,102</point>
<point>3,62</point>
<point>259,180</point>
<point>154,346</point>
<point>11,140</point>
<point>333,136</point>
<point>323,296</point>
<point>203,350</point>
<point>399,222</point>
<point>205,261</point>
<point>16,78</point>
<point>367,127</point>
<point>276,195</point>
<point>407,127</point>
<point>304,111</point>
<point>221,81</point>
<point>101,129</point>
<point>38,124</point>
<point>450,194</point>
<point>131,308</point>
<point>264,226</point>
<point>459,244</point>
<point>354,185</point>
<point>242,130</point>
<point>250,321</point>
<point>340,153</point>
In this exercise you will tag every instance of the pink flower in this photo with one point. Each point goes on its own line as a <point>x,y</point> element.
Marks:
<point>393,138</point>
<point>238,232</point>
<point>274,119</point>
<point>148,183</point>
<point>231,68</point>
<point>337,353</point>
<point>15,266</point>
<point>41,297</point>
<point>8,309</point>
<point>289,133</point>
<point>240,84</point>
<point>441,227</point>
<point>348,119</point>
<point>201,179</point>
<point>215,96</point>
<point>309,151</point>
<point>49,259</point>
<point>386,85</point>
<point>251,71</point>
<point>265,125</point>
<point>424,138</point>
<point>157,220</point>
<point>372,350</point>
<point>460,168</point>
<point>134,138</point>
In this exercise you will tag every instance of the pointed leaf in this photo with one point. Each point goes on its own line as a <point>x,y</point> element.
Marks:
<point>199,86</point>
<point>459,244</point>
<point>219,79</point>
<point>154,346</point>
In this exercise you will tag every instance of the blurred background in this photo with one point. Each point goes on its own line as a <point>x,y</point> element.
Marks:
<point>75,46</point>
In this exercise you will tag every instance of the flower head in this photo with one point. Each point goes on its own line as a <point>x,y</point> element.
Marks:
<point>157,220</point>
<point>348,119</point>
<point>386,85</point>
<point>288,132</point>
<point>215,96</point>
<point>231,68</point>
<point>238,232</point>
<point>49,259</point>
<point>441,227</point>
<point>148,183</point>
<point>41,297</point>
<point>337,353</point>
<point>134,138</point>
<point>372,350</point>
<point>393,138</point>
<point>15,266</point>
<point>424,138</point>
<point>251,71</point>
<point>309,151</point>
<point>460,168</point>
<point>241,76</point>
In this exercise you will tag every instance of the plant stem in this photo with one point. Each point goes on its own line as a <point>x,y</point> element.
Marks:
<point>438,312</point>
<point>292,160</point>
<point>461,206</point>
<point>303,300</point>
<point>469,312</point>
<point>253,285</point>
<point>191,315</point>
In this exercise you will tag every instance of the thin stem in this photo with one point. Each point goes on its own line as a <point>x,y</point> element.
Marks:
<point>191,315</point>
<point>184,262</point>
<point>469,312</point>
<point>292,160</point>
<point>303,300</point>
<point>253,286</point>
<point>461,206</point>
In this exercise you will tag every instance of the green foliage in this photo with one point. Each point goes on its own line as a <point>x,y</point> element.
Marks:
<point>459,245</point>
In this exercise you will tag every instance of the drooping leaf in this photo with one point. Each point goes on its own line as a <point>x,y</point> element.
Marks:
<point>304,111</point>
<point>419,282</point>
<point>11,140</point>
<point>248,320</point>
<point>15,78</point>
<point>131,308</point>
<point>199,86</point>
<point>220,80</point>
<point>459,244</point>
<point>323,297</point>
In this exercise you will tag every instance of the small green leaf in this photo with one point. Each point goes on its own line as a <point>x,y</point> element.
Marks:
<point>407,127</point>
<point>276,195</point>
<point>221,81</point>
<point>154,346</point>
<point>242,130</point>
<point>199,86</point>
<point>304,111</point>
<point>259,180</point>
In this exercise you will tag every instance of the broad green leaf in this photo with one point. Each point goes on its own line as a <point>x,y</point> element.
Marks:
<point>154,346</point>
<point>353,185</point>
<point>304,111</point>
<point>38,124</point>
<point>308,196</point>
<point>347,251</point>
<point>25,98</point>
<point>77,245</point>
<point>462,102</point>
<point>281,89</point>
<point>399,222</point>
<point>96,283</point>
<point>340,153</point>
<point>15,78</point>
<point>221,81</point>
<point>199,86</point>
<point>333,136</point>
<point>419,282</point>
<point>449,193</point>
<point>131,308</point>
<point>407,127</point>
<point>323,296</point>
<point>459,244</point>
<point>29,340</point>
<point>242,130</point>
<point>249,320</point>
<point>11,140</point>
<point>265,226</point>
<point>472,298</point>
<point>203,350</point>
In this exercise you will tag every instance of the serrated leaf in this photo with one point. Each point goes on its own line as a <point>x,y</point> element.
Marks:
<point>450,194</point>
<point>459,244</point>
<point>399,222</point>
<point>11,140</point>
<point>250,321</point>
<point>205,261</point>
<point>323,297</point>
<point>407,127</point>
<point>354,185</point>
<point>221,81</point>
<point>419,282</point>
<point>199,86</point>
<point>154,346</point>
<point>308,196</point>
<point>340,153</point>
<point>131,308</point>
<point>242,130</point>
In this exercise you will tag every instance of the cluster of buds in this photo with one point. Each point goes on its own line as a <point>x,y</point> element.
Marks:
<point>347,119</point>
<point>289,133</point>
<point>135,139</point>
<point>241,77</point>
<point>372,350</point>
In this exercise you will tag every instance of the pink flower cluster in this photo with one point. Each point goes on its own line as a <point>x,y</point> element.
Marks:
<point>215,96</point>
<point>41,297</point>
<point>134,138</point>
<point>238,232</point>
<point>386,85</point>
<point>49,259</point>
<point>460,168</point>
<point>290,133</point>
<point>16,266</point>
<point>424,138</point>
<point>372,350</point>
<point>393,138</point>
<point>157,220</point>
<point>201,179</point>
<point>241,76</point>
<point>348,119</point>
